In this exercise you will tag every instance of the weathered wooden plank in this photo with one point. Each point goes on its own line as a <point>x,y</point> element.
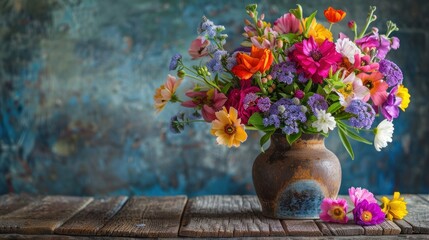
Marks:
<point>147,217</point>
<point>227,216</point>
<point>425,197</point>
<point>418,213</point>
<point>301,228</point>
<point>93,217</point>
<point>323,228</point>
<point>60,237</point>
<point>43,216</point>
<point>12,202</point>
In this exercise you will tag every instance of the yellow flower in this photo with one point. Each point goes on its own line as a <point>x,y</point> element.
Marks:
<point>404,95</point>
<point>395,208</point>
<point>228,128</point>
<point>165,93</point>
<point>318,32</point>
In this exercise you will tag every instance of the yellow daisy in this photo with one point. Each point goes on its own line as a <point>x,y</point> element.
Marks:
<point>395,208</point>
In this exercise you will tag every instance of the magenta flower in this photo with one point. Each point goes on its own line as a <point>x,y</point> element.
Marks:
<point>366,213</point>
<point>315,61</point>
<point>379,42</point>
<point>244,100</point>
<point>287,23</point>
<point>359,194</point>
<point>364,64</point>
<point>334,210</point>
<point>390,108</point>
<point>209,101</point>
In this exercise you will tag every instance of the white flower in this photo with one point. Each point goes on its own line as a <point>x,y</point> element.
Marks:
<point>347,48</point>
<point>383,134</point>
<point>325,121</point>
<point>353,89</point>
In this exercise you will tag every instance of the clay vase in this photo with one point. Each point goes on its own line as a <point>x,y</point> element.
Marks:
<point>291,181</point>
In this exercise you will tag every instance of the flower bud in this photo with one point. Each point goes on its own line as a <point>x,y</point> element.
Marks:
<point>247,22</point>
<point>251,14</point>
<point>264,80</point>
<point>262,16</point>
<point>351,24</point>
<point>269,77</point>
<point>295,101</point>
<point>181,73</point>
<point>260,24</point>
<point>304,109</point>
<point>279,43</point>
<point>299,94</point>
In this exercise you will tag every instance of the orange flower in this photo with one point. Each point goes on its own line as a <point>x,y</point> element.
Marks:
<point>259,60</point>
<point>334,15</point>
<point>228,128</point>
<point>165,92</point>
<point>377,87</point>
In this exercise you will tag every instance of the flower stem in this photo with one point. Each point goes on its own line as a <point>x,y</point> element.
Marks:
<point>330,26</point>
<point>368,21</point>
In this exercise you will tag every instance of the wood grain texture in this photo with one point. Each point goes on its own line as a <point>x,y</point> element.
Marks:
<point>301,228</point>
<point>147,217</point>
<point>93,217</point>
<point>227,216</point>
<point>12,202</point>
<point>389,228</point>
<point>418,213</point>
<point>323,228</point>
<point>43,216</point>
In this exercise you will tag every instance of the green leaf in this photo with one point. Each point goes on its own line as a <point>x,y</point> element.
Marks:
<point>320,90</point>
<point>256,120</point>
<point>353,135</point>
<point>226,87</point>
<point>334,97</point>
<point>293,137</point>
<point>334,107</point>
<point>343,116</point>
<point>289,37</point>
<point>265,139</point>
<point>308,22</point>
<point>308,86</point>
<point>346,142</point>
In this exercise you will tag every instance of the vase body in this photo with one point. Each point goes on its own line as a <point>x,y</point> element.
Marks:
<point>291,181</point>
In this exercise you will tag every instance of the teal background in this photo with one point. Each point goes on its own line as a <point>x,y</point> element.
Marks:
<point>77,80</point>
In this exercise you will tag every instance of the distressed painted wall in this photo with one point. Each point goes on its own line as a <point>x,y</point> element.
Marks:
<point>77,79</point>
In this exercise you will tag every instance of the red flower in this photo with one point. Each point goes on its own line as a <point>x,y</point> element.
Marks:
<point>334,15</point>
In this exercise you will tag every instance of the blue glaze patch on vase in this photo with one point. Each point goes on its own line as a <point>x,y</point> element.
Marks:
<point>301,199</point>
<point>292,180</point>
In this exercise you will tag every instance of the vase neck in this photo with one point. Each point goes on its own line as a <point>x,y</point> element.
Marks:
<point>278,140</point>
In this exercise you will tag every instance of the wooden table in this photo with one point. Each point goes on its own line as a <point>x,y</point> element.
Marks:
<point>65,217</point>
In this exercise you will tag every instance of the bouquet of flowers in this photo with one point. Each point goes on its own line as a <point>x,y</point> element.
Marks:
<point>291,77</point>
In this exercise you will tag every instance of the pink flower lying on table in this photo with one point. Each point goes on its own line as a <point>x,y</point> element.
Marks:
<point>334,210</point>
<point>357,195</point>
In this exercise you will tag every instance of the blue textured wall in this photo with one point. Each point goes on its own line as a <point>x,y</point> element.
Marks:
<point>77,79</point>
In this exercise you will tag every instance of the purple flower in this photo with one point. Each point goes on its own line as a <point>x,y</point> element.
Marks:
<point>380,42</point>
<point>395,43</point>
<point>299,94</point>
<point>391,71</point>
<point>175,61</point>
<point>264,104</point>
<point>215,64</point>
<point>250,100</point>
<point>364,114</point>
<point>284,72</point>
<point>231,61</point>
<point>286,115</point>
<point>390,108</point>
<point>317,102</point>
<point>366,214</point>
<point>302,78</point>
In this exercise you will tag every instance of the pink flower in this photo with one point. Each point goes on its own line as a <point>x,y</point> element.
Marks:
<point>364,64</point>
<point>287,23</point>
<point>357,195</point>
<point>209,101</point>
<point>334,210</point>
<point>198,48</point>
<point>315,61</point>
<point>244,100</point>
<point>265,41</point>
<point>377,87</point>
<point>366,213</point>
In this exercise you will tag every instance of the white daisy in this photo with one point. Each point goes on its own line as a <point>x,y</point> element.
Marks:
<point>347,48</point>
<point>325,121</point>
<point>383,134</point>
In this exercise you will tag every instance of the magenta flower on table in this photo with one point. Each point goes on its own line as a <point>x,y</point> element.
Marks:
<point>287,23</point>
<point>357,195</point>
<point>366,213</point>
<point>209,101</point>
<point>334,210</point>
<point>315,61</point>
<point>390,108</point>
